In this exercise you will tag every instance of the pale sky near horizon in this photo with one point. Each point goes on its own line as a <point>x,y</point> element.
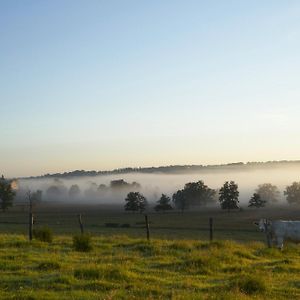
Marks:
<point>108,84</point>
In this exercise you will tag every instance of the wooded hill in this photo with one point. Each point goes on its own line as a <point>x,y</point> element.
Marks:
<point>179,169</point>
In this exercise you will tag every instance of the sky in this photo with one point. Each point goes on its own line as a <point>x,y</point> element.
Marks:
<point>98,85</point>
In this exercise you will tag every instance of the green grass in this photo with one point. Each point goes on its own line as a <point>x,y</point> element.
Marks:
<point>119,267</point>
<point>62,219</point>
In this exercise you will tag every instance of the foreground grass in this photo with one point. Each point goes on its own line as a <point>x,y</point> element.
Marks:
<point>124,268</point>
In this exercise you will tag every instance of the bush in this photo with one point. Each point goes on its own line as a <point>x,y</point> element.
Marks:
<point>249,285</point>
<point>44,234</point>
<point>87,273</point>
<point>113,225</point>
<point>125,225</point>
<point>49,265</point>
<point>82,242</point>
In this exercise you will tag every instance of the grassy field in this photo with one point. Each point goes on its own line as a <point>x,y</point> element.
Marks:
<point>125,268</point>
<point>178,262</point>
<point>62,219</point>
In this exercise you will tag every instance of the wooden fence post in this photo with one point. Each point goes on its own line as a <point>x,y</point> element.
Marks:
<point>30,226</point>
<point>210,229</point>
<point>30,221</point>
<point>80,223</point>
<point>147,227</point>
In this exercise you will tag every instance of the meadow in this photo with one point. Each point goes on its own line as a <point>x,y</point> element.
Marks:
<point>192,224</point>
<point>119,267</point>
<point>177,263</point>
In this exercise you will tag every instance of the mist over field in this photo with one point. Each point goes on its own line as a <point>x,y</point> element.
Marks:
<point>153,185</point>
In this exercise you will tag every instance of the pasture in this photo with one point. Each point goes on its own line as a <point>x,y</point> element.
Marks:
<point>192,224</point>
<point>178,263</point>
<point>119,267</point>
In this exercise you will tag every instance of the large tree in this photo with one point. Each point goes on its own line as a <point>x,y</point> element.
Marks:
<point>229,196</point>
<point>180,201</point>
<point>163,203</point>
<point>135,202</point>
<point>74,191</point>
<point>268,193</point>
<point>7,194</point>
<point>197,193</point>
<point>256,201</point>
<point>292,193</point>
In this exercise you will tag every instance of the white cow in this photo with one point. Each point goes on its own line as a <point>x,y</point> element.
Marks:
<point>279,231</point>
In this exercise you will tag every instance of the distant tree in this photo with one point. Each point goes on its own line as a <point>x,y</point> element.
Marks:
<point>197,193</point>
<point>292,193</point>
<point>256,201</point>
<point>229,196</point>
<point>56,190</point>
<point>135,185</point>
<point>74,191</point>
<point>37,196</point>
<point>180,201</point>
<point>91,191</point>
<point>102,187</point>
<point>34,198</point>
<point>53,191</point>
<point>102,190</point>
<point>163,203</point>
<point>135,202</point>
<point>268,192</point>
<point>7,194</point>
<point>119,184</point>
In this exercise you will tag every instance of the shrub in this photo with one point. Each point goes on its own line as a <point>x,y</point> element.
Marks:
<point>116,273</point>
<point>249,285</point>
<point>49,265</point>
<point>87,273</point>
<point>82,242</point>
<point>125,225</point>
<point>44,234</point>
<point>113,225</point>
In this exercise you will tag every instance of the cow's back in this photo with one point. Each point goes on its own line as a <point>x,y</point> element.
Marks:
<point>288,230</point>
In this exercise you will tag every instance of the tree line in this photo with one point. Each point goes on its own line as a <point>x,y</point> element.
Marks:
<point>198,194</point>
<point>193,194</point>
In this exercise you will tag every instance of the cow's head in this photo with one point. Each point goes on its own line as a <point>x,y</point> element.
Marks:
<point>262,224</point>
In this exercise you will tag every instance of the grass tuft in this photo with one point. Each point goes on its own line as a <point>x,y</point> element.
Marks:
<point>48,266</point>
<point>82,243</point>
<point>249,284</point>
<point>87,273</point>
<point>44,234</point>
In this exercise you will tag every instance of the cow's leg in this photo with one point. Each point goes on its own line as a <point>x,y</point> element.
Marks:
<point>269,240</point>
<point>280,243</point>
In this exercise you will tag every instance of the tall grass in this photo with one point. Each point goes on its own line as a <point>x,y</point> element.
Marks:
<point>124,268</point>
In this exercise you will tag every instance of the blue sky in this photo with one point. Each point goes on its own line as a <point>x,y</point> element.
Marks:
<point>107,84</point>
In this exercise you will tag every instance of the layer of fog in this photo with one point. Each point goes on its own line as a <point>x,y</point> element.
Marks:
<point>153,185</point>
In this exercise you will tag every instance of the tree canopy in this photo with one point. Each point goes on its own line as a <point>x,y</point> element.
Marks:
<point>7,194</point>
<point>74,191</point>
<point>163,203</point>
<point>194,194</point>
<point>229,196</point>
<point>268,193</point>
<point>292,193</point>
<point>198,193</point>
<point>135,201</point>
<point>256,201</point>
<point>180,201</point>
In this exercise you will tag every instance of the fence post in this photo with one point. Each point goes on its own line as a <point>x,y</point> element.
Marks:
<point>80,223</point>
<point>147,227</point>
<point>30,220</point>
<point>210,229</point>
<point>30,225</point>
